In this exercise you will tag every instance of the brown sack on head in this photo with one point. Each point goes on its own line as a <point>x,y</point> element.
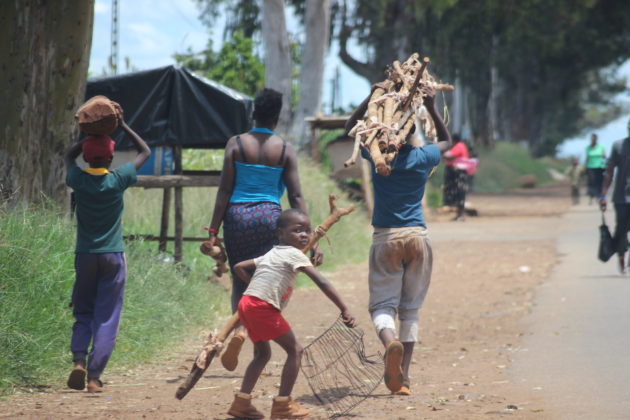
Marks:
<point>99,115</point>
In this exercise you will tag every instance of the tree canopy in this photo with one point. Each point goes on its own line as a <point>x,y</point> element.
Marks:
<point>528,70</point>
<point>235,65</point>
<point>554,62</point>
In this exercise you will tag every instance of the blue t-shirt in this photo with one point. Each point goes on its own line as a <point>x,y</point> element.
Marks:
<point>99,210</point>
<point>398,197</point>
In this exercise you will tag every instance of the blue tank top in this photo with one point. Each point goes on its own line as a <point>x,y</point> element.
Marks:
<point>257,183</point>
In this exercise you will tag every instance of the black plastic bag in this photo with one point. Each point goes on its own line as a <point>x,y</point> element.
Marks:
<point>606,243</point>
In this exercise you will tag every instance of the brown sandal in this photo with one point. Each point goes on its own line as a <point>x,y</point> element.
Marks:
<point>95,387</point>
<point>393,366</point>
<point>76,380</point>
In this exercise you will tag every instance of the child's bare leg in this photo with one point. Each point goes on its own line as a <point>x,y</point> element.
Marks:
<point>262,354</point>
<point>292,364</point>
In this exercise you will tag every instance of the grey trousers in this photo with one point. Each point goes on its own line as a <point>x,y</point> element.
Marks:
<point>401,261</point>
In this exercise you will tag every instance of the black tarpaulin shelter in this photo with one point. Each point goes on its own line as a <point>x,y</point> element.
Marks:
<point>170,106</point>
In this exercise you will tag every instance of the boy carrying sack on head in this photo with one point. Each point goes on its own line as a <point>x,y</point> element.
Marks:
<point>271,280</point>
<point>99,262</point>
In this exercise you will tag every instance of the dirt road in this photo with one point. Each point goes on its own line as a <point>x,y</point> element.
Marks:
<point>485,274</point>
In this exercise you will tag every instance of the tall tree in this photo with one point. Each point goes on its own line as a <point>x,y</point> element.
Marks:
<point>255,17</point>
<point>277,56</point>
<point>525,66</point>
<point>235,65</point>
<point>45,49</point>
<point>317,27</point>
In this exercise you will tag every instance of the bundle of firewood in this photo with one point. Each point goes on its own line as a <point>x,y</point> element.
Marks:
<point>393,107</point>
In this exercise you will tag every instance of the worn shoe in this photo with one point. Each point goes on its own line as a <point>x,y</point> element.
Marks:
<point>229,358</point>
<point>76,380</point>
<point>95,385</point>
<point>242,407</point>
<point>393,366</point>
<point>286,408</point>
<point>404,390</point>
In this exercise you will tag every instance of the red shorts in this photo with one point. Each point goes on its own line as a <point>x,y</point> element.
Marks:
<point>263,321</point>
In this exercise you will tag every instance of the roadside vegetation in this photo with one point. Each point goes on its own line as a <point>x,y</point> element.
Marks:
<point>162,303</point>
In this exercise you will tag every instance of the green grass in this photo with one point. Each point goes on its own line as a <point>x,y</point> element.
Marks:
<point>36,277</point>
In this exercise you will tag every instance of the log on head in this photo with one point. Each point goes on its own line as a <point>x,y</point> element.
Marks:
<point>99,115</point>
<point>391,107</point>
<point>416,83</point>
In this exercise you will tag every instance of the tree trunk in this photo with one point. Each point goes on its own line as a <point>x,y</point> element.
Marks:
<point>317,26</point>
<point>277,57</point>
<point>45,52</point>
<point>391,45</point>
<point>493,97</point>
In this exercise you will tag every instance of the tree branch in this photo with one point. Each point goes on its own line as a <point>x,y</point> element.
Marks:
<point>362,69</point>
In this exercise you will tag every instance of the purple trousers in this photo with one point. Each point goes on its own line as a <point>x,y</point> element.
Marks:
<point>97,301</point>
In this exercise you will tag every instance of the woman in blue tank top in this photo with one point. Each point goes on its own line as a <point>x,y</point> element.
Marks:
<point>257,168</point>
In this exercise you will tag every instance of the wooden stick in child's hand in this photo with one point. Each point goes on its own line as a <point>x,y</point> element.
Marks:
<point>334,216</point>
<point>212,348</point>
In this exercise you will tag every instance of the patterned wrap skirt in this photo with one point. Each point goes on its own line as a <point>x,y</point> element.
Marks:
<point>455,187</point>
<point>249,231</point>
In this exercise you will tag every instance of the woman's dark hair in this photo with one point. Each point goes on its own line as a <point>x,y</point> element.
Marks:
<point>267,105</point>
<point>287,216</point>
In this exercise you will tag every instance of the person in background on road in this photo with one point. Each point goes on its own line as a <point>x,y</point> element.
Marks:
<point>401,258</point>
<point>595,164</point>
<point>99,261</point>
<point>257,167</point>
<point>456,177</point>
<point>619,159</point>
<point>271,279</point>
<point>575,172</point>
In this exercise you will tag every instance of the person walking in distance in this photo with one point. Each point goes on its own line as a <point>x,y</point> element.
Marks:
<point>575,172</point>
<point>595,165</point>
<point>619,160</point>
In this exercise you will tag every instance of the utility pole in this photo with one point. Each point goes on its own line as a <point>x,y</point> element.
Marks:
<point>335,90</point>
<point>113,58</point>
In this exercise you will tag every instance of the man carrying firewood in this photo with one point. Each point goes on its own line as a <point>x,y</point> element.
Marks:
<point>400,255</point>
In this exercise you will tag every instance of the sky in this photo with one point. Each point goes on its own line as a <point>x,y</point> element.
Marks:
<point>151,31</point>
